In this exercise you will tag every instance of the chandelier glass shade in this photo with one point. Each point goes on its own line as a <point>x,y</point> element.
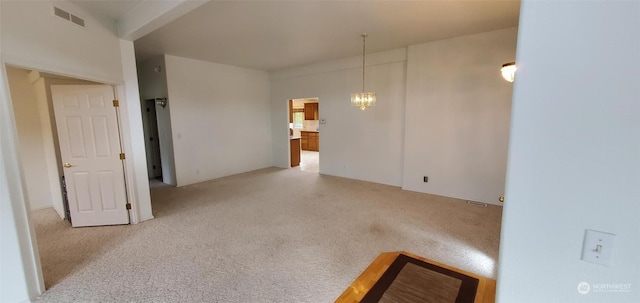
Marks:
<point>363,99</point>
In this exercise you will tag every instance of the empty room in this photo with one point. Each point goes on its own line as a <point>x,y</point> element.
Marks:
<point>168,151</point>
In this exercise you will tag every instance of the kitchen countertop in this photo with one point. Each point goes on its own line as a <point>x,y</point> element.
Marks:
<point>309,131</point>
<point>293,137</point>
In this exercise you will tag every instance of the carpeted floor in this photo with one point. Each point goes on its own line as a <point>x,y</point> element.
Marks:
<point>271,235</point>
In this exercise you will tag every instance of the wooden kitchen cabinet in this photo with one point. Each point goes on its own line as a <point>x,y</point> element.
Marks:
<point>304,140</point>
<point>295,152</point>
<point>314,141</point>
<point>290,111</point>
<point>311,111</point>
<point>310,140</point>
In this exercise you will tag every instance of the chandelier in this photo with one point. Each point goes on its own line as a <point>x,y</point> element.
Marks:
<point>363,99</point>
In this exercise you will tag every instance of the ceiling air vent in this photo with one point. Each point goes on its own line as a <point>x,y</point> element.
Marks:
<point>61,13</point>
<point>68,16</point>
<point>77,20</point>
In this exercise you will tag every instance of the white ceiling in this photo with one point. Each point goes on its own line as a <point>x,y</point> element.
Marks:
<point>112,9</point>
<point>271,35</point>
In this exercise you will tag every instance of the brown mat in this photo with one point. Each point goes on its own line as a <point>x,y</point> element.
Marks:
<point>409,280</point>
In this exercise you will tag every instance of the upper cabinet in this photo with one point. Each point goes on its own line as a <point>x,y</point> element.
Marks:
<point>311,111</point>
<point>290,111</point>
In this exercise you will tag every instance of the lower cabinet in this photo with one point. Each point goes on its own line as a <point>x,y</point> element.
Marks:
<point>310,140</point>
<point>295,152</point>
<point>314,143</point>
<point>304,140</point>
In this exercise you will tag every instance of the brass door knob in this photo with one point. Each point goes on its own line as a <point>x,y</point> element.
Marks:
<point>67,165</point>
<point>501,199</point>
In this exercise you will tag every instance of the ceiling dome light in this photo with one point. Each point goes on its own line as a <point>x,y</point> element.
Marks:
<point>508,71</point>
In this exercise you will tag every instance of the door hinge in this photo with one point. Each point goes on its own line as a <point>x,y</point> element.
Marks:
<point>122,156</point>
<point>116,103</point>
<point>128,205</point>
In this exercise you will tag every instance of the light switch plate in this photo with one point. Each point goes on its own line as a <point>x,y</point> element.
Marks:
<point>598,247</point>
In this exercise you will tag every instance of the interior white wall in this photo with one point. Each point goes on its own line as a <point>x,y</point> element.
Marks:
<point>32,37</point>
<point>364,145</point>
<point>574,153</point>
<point>220,118</point>
<point>21,279</point>
<point>153,84</point>
<point>30,138</point>
<point>457,116</point>
<point>35,38</point>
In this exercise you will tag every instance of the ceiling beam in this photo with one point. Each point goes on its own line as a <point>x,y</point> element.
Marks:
<point>150,15</point>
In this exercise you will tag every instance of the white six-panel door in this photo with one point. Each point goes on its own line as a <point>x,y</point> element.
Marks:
<point>90,149</point>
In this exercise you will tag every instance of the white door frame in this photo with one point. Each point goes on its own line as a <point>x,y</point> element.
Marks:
<point>20,246</point>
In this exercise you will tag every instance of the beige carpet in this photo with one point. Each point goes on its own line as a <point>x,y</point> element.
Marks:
<point>270,235</point>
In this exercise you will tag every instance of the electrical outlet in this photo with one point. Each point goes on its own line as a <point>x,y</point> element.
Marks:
<point>598,247</point>
<point>425,179</point>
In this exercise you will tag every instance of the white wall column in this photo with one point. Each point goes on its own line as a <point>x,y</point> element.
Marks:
<point>574,153</point>
<point>21,278</point>
<point>133,137</point>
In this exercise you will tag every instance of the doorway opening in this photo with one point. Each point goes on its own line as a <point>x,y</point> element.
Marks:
<point>56,149</point>
<point>152,142</point>
<point>304,131</point>
<point>155,106</point>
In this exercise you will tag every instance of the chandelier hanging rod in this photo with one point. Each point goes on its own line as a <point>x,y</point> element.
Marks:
<point>364,48</point>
